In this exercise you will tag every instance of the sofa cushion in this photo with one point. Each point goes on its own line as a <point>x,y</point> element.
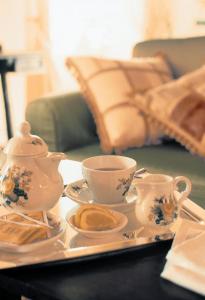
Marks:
<point>178,107</point>
<point>107,85</point>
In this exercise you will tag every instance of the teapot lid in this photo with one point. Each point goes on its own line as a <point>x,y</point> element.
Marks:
<point>26,144</point>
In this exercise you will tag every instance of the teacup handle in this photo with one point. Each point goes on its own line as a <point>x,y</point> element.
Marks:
<point>187,190</point>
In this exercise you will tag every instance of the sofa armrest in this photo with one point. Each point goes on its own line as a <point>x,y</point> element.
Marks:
<point>63,121</point>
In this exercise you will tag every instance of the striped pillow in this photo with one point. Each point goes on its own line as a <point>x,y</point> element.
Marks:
<point>107,86</point>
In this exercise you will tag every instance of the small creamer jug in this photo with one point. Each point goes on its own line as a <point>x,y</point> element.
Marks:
<point>159,200</point>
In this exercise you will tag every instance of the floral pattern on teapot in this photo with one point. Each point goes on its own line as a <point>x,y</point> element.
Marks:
<point>15,185</point>
<point>163,212</point>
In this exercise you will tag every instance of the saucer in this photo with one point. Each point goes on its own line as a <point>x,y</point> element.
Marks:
<point>99,234</point>
<point>79,192</point>
<point>58,228</point>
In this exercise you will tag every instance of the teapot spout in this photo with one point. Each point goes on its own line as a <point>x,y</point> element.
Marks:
<point>49,164</point>
<point>57,156</point>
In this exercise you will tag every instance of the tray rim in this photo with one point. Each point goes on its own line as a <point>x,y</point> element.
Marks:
<point>90,257</point>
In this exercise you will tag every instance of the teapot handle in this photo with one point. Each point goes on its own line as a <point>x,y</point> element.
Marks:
<point>186,191</point>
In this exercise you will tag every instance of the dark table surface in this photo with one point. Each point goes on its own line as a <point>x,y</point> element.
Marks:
<point>126,274</point>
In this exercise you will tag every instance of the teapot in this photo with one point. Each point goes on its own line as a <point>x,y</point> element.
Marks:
<point>30,180</point>
<point>158,199</point>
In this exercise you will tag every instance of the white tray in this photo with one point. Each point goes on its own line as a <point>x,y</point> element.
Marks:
<point>70,245</point>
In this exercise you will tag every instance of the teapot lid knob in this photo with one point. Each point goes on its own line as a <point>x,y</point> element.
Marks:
<point>26,144</point>
<point>25,128</point>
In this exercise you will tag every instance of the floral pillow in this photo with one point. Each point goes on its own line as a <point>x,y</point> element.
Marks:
<point>107,86</point>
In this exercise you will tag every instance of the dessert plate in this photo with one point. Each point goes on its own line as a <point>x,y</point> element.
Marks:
<point>99,234</point>
<point>79,192</point>
<point>58,228</point>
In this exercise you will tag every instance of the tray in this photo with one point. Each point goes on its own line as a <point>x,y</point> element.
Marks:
<point>72,247</point>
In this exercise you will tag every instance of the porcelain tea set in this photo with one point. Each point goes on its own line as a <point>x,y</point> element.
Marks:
<point>30,181</point>
<point>113,181</point>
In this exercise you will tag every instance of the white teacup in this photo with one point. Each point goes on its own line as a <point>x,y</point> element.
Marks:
<point>109,177</point>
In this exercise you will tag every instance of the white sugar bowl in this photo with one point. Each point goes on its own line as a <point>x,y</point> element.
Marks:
<point>29,177</point>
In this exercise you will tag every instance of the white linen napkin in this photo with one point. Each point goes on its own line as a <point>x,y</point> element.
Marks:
<point>186,260</point>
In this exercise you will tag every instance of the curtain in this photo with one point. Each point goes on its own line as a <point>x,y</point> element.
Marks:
<point>173,18</point>
<point>38,39</point>
<point>158,19</point>
<point>92,27</point>
<point>12,39</point>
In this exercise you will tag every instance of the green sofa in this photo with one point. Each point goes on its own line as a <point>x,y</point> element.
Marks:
<point>66,124</point>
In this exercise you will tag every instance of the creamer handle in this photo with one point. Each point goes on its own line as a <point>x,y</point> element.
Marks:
<point>187,190</point>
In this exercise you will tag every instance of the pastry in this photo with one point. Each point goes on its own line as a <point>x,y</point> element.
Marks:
<point>17,230</point>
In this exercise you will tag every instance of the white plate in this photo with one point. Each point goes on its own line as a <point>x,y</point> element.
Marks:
<point>59,227</point>
<point>79,192</point>
<point>122,222</point>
